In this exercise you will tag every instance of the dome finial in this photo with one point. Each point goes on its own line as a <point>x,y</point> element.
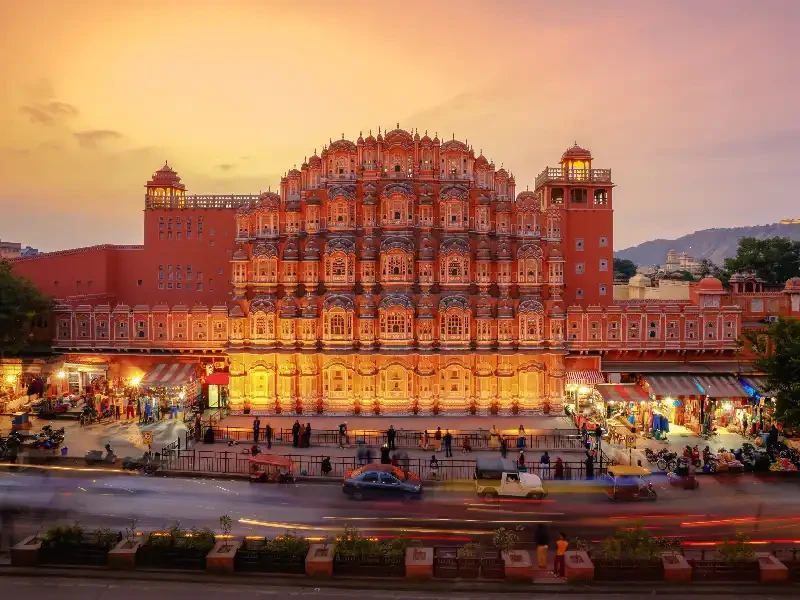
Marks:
<point>343,135</point>
<point>398,124</point>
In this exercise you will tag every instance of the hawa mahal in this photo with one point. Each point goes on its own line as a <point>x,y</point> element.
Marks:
<point>393,274</point>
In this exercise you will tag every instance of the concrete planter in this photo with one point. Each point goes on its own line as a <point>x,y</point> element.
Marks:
<point>517,565</point>
<point>26,553</point>
<point>676,569</point>
<point>221,558</point>
<point>419,563</point>
<point>771,570</point>
<point>578,566</point>
<point>122,557</point>
<point>319,561</point>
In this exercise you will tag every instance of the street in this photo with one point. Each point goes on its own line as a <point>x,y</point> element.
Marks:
<point>78,589</point>
<point>765,508</point>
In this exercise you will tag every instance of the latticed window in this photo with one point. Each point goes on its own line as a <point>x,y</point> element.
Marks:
<point>454,268</point>
<point>337,325</point>
<point>454,326</point>
<point>339,267</point>
<point>396,323</point>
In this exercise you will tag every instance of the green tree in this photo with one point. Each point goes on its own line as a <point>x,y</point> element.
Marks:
<point>20,303</point>
<point>775,259</point>
<point>780,361</point>
<point>686,276</point>
<point>709,269</point>
<point>624,268</point>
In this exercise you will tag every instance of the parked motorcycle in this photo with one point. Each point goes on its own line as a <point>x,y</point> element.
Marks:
<point>668,461</point>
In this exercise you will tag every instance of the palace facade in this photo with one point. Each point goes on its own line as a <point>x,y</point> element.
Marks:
<point>397,273</point>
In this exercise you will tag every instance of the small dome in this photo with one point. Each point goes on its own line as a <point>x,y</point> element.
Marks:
<point>556,309</point>
<point>342,146</point>
<point>576,153</point>
<point>367,308</point>
<point>290,251</point>
<point>502,173</point>
<point>293,206</point>
<point>481,162</point>
<point>425,139</point>
<point>311,252</point>
<point>503,250</point>
<point>315,161</point>
<point>710,284</point>
<point>426,251</point>
<point>640,280</point>
<point>239,256</point>
<point>484,305</point>
<point>309,306</point>
<point>484,251</point>
<point>793,284</point>
<point>368,251</point>
<point>555,252</point>
<point>288,307</point>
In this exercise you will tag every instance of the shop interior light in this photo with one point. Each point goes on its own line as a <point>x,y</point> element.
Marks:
<point>135,381</point>
<point>583,390</point>
<point>10,378</point>
<point>61,374</point>
<point>182,395</point>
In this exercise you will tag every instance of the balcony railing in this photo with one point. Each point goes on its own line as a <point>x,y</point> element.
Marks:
<point>199,201</point>
<point>558,174</point>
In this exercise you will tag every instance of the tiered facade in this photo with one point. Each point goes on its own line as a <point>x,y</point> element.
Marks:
<point>393,274</point>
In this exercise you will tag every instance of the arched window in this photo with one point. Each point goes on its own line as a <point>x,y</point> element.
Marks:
<point>454,326</point>
<point>454,267</point>
<point>339,267</point>
<point>396,323</point>
<point>337,325</point>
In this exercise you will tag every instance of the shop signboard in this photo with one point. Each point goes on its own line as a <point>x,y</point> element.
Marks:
<point>147,438</point>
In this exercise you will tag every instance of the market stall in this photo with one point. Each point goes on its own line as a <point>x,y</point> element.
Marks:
<point>728,404</point>
<point>624,405</point>
<point>579,396</point>
<point>164,390</point>
<point>676,398</point>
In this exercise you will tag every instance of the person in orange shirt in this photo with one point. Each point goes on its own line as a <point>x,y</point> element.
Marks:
<point>561,550</point>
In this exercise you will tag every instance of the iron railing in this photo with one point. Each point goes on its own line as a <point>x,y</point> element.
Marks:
<point>447,469</point>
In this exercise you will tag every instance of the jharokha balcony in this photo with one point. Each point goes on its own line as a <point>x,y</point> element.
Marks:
<point>559,174</point>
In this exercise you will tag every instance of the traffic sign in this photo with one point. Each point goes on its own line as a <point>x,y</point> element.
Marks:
<point>630,442</point>
<point>147,437</point>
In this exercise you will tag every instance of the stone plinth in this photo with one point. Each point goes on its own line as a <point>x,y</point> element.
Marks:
<point>221,557</point>
<point>123,556</point>
<point>26,553</point>
<point>419,563</point>
<point>771,570</point>
<point>319,561</point>
<point>517,565</point>
<point>676,569</point>
<point>578,566</point>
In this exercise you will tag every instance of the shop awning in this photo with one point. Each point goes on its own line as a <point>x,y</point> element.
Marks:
<point>721,386</point>
<point>757,384</point>
<point>664,386</point>
<point>621,392</point>
<point>169,375</point>
<point>584,378</point>
<point>217,379</point>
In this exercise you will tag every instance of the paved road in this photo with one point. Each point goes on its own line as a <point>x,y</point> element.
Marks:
<point>76,589</point>
<point>764,508</point>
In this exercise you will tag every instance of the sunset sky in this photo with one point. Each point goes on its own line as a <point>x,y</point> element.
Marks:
<point>692,104</point>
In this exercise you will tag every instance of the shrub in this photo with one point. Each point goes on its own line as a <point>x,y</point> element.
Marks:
<point>104,537</point>
<point>59,535</point>
<point>289,545</point>
<point>506,540</point>
<point>352,545</point>
<point>632,545</point>
<point>736,549</point>
<point>469,550</point>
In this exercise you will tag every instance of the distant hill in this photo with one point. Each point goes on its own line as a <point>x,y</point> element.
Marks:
<point>714,244</point>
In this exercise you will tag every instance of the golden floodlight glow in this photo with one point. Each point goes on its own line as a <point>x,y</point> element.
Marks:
<point>61,374</point>
<point>135,381</point>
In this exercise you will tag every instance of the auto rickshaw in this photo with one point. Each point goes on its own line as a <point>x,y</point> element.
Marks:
<point>629,483</point>
<point>271,468</point>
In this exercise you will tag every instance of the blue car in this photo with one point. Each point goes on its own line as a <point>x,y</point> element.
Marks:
<point>379,485</point>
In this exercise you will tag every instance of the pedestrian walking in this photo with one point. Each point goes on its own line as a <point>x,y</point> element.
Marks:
<point>542,545</point>
<point>544,465</point>
<point>296,434</point>
<point>503,447</point>
<point>598,434</point>
<point>494,438</point>
<point>117,412</point>
<point>559,565</point>
<point>390,435</point>
<point>521,461</point>
<point>361,454</point>
<point>385,460</point>
<point>437,439</point>
<point>129,412</point>
<point>434,467</point>
<point>404,461</point>
<point>307,436</point>
<point>521,437</point>
<point>559,469</point>
<point>590,465</point>
<point>584,433</point>
<point>448,444</point>
<point>268,435</point>
<point>343,437</point>
<point>425,441</point>
<point>256,428</point>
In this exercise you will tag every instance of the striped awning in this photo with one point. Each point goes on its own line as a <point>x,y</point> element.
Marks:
<point>584,377</point>
<point>721,386</point>
<point>664,386</point>
<point>621,392</point>
<point>168,375</point>
<point>757,384</point>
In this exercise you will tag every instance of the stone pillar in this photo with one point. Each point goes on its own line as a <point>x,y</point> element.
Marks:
<point>220,559</point>
<point>122,557</point>
<point>319,561</point>
<point>419,563</point>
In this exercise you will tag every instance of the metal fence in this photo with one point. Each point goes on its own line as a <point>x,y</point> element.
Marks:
<point>477,440</point>
<point>447,469</point>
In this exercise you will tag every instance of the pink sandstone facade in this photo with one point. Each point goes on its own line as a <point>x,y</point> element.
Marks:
<point>391,274</point>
